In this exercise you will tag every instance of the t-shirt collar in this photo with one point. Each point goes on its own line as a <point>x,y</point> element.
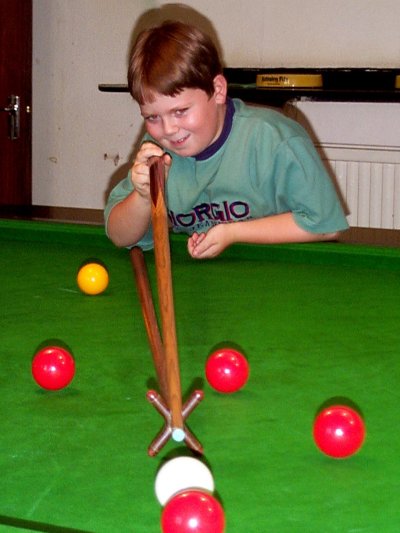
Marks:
<point>226,129</point>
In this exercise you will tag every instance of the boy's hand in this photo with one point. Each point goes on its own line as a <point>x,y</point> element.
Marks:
<point>140,169</point>
<point>210,244</point>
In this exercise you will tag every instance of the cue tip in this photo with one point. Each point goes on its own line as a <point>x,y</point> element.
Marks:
<point>178,434</point>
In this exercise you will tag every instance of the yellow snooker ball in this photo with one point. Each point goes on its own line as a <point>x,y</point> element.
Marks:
<point>92,279</point>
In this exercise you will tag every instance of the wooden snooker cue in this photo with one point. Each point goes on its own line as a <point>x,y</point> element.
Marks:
<point>149,316</point>
<point>165,295</point>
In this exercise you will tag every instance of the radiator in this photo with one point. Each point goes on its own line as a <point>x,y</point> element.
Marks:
<point>370,189</point>
<point>360,145</point>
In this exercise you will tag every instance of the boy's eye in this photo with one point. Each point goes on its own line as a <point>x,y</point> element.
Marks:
<point>151,118</point>
<point>181,112</point>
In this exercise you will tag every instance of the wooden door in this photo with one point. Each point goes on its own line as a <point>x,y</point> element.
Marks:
<point>15,80</point>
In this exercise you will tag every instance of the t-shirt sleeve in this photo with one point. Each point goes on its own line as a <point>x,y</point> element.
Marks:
<point>305,185</point>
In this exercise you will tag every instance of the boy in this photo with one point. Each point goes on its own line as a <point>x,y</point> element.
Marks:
<point>234,173</point>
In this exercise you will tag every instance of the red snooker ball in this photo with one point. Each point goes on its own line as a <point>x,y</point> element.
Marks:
<point>227,370</point>
<point>339,431</point>
<point>193,511</point>
<point>53,368</point>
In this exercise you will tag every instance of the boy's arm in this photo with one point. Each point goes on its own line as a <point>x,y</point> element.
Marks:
<point>273,229</point>
<point>129,219</point>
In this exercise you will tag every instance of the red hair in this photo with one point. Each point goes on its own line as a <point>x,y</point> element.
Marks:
<point>169,58</point>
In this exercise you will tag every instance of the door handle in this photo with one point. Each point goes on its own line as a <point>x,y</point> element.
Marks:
<point>13,110</point>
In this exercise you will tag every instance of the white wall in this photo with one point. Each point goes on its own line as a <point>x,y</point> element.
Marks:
<point>78,44</point>
<point>306,33</point>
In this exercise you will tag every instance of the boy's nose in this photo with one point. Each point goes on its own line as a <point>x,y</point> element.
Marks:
<point>170,126</point>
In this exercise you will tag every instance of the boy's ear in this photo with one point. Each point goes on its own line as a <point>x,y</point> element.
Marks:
<point>220,88</point>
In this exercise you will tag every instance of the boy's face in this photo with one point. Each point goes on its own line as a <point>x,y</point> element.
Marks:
<point>188,122</point>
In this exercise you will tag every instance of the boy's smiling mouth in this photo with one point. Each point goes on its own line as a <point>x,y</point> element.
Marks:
<point>179,142</point>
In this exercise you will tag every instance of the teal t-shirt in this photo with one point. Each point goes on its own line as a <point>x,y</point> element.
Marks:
<point>267,165</point>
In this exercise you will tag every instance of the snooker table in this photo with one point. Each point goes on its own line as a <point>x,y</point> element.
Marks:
<point>318,323</point>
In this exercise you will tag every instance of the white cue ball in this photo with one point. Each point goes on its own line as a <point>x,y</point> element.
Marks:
<point>180,474</point>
